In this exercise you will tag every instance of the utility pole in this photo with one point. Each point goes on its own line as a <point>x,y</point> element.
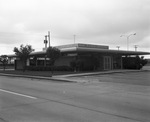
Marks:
<point>74,38</point>
<point>135,46</point>
<point>127,36</point>
<point>49,37</point>
<point>45,42</point>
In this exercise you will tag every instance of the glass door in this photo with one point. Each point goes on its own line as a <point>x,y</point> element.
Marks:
<point>107,63</point>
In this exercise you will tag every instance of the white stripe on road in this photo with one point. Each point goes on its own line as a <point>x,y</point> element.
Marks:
<point>23,95</point>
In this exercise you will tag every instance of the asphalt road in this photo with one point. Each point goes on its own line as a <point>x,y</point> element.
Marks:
<point>114,98</point>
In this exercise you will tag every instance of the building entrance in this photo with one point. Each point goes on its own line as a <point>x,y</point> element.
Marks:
<point>107,63</point>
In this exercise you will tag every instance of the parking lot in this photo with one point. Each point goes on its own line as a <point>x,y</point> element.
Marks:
<point>115,97</point>
<point>134,78</point>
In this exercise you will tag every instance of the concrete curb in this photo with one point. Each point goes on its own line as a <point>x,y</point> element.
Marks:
<point>37,77</point>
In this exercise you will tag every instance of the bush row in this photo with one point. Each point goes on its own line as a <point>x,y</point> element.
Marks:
<point>49,68</point>
<point>7,64</point>
<point>134,62</point>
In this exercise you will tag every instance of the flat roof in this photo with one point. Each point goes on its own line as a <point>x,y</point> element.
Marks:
<point>89,48</point>
<point>122,52</point>
<point>95,50</point>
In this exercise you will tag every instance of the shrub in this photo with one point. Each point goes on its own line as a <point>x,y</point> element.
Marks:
<point>49,68</point>
<point>134,62</point>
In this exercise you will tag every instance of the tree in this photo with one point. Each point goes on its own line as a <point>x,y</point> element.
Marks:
<point>53,53</point>
<point>140,62</point>
<point>134,62</point>
<point>23,53</point>
<point>4,60</point>
<point>143,61</point>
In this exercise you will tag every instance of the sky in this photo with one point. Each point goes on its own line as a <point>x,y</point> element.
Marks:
<point>99,22</point>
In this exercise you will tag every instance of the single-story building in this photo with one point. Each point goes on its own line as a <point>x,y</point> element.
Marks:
<point>82,57</point>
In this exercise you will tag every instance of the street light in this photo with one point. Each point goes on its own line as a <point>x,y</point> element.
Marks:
<point>74,38</point>
<point>118,47</point>
<point>127,36</point>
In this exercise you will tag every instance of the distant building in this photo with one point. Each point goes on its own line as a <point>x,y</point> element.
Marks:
<point>82,57</point>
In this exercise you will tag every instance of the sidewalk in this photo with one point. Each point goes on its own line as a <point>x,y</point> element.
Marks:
<point>72,77</point>
<point>98,73</point>
<point>78,77</point>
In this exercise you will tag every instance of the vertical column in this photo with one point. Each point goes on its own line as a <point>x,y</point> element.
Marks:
<point>121,63</point>
<point>112,62</point>
<point>28,62</point>
<point>45,62</point>
<point>36,61</point>
<point>9,60</point>
<point>104,62</point>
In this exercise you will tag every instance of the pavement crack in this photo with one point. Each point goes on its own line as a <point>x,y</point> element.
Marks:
<point>26,104</point>
<point>3,119</point>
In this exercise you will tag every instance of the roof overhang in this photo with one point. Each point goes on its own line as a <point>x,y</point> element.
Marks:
<point>122,52</point>
<point>39,53</point>
<point>93,50</point>
<point>89,50</point>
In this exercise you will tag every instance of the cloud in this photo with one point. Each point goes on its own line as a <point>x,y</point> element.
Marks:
<point>92,21</point>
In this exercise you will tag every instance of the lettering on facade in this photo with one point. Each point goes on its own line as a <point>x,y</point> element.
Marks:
<point>84,46</point>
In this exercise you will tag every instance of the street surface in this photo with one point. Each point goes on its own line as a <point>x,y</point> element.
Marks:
<point>119,97</point>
